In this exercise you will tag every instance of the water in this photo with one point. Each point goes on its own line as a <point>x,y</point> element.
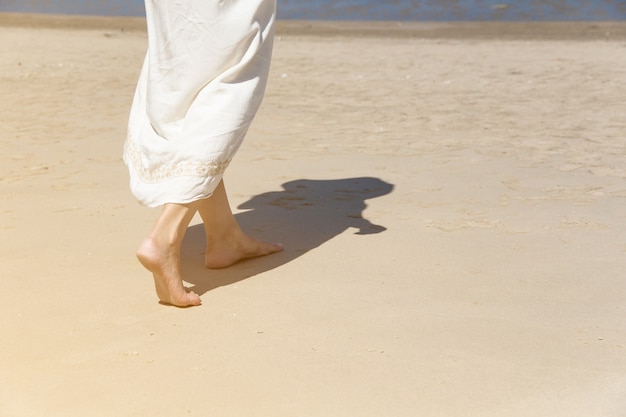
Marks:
<point>406,10</point>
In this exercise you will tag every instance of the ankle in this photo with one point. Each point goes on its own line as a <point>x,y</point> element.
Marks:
<point>153,250</point>
<point>148,253</point>
<point>219,236</point>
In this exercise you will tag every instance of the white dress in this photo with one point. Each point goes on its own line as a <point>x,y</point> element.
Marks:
<point>201,84</point>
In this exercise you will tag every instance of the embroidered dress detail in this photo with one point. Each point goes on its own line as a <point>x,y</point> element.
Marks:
<point>166,171</point>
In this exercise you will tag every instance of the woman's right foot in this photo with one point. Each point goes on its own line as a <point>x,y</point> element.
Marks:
<point>223,253</point>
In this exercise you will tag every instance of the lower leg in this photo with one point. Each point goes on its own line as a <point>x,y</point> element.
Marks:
<point>226,242</point>
<point>159,253</point>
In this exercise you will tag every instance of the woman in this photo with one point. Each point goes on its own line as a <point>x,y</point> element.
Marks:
<point>201,84</point>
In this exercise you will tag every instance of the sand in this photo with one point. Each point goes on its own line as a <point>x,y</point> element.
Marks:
<point>451,198</point>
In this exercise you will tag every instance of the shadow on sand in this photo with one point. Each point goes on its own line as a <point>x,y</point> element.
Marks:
<point>304,215</point>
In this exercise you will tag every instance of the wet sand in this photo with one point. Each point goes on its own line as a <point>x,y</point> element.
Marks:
<point>451,199</point>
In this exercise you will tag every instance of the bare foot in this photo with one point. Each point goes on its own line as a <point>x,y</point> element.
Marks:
<point>225,252</point>
<point>164,263</point>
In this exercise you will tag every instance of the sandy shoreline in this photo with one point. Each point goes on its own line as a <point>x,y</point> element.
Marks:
<point>452,210</point>
<point>602,30</point>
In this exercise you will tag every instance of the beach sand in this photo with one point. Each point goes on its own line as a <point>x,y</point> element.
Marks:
<point>451,199</point>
